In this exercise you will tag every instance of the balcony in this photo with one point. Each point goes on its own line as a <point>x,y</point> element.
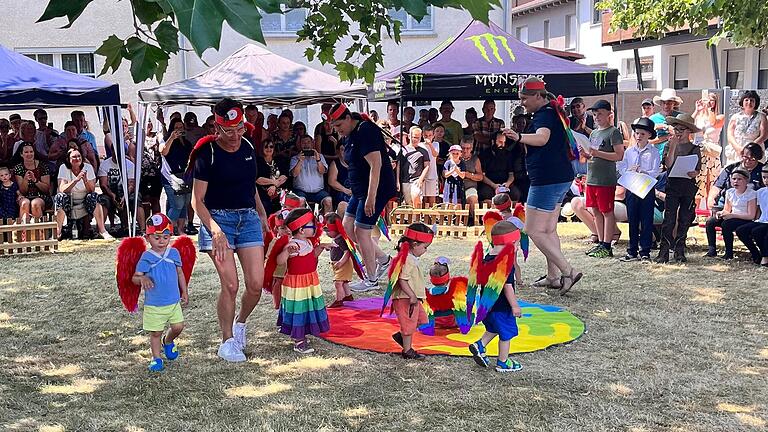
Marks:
<point>626,39</point>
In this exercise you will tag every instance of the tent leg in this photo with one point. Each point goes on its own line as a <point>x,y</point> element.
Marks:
<point>638,69</point>
<point>402,108</point>
<point>615,113</point>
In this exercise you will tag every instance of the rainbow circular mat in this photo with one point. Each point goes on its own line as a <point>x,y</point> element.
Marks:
<point>358,325</point>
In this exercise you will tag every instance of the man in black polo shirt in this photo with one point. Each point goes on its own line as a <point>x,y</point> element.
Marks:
<point>372,182</point>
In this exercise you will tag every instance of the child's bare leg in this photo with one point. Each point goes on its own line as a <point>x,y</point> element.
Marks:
<point>610,227</point>
<point>339,290</point>
<point>487,338</point>
<point>173,332</point>
<point>155,342</point>
<point>503,350</point>
<point>407,342</point>
<point>345,287</point>
<point>600,226</point>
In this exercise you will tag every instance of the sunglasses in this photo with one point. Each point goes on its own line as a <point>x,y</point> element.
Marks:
<point>308,227</point>
<point>269,146</point>
<point>748,158</point>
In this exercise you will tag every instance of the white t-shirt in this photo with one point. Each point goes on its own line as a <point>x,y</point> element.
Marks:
<point>762,201</point>
<point>432,174</point>
<point>739,203</point>
<point>79,191</point>
<point>111,170</point>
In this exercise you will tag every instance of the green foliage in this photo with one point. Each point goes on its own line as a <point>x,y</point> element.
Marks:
<point>742,22</point>
<point>345,33</point>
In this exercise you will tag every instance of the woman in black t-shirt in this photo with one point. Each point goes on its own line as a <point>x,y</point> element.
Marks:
<point>178,187</point>
<point>225,199</point>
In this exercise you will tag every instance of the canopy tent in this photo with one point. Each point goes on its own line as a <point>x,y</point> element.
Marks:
<point>256,75</point>
<point>25,83</point>
<point>484,62</point>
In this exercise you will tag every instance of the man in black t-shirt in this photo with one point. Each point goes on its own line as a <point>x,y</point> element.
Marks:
<point>372,182</point>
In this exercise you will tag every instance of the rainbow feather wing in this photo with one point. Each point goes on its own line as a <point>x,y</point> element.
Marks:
<point>558,106</point>
<point>358,263</point>
<point>475,265</point>
<point>459,287</point>
<point>428,328</point>
<point>382,224</point>
<point>489,220</point>
<point>525,242</point>
<point>500,267</point>
<point>128,255</point>
<point>394,274</point>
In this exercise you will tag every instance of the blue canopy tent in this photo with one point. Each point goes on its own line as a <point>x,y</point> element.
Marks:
<point>28,84</point>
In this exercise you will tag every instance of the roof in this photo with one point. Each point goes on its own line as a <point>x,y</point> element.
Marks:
<point>256,75</point>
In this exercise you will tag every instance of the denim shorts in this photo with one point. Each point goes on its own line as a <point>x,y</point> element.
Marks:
<point>547,197</point>
<point>241,226</point>
<point>356,208</point>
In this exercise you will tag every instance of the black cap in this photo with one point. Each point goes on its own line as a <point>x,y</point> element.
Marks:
<point>601,104</point>
<point>14,117</point>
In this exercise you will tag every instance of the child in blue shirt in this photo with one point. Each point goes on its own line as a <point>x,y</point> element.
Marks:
<point>165,290</point>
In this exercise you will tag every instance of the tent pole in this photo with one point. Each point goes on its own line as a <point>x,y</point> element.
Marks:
<point>638,69</point>
<point>401,119</point>
<point>615,113</point>
<point>141,123</point>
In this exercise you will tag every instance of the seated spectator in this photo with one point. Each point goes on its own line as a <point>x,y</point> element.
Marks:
<point>307,169</point>
<point>58,151</point>
<point>474,172</point>
<point>497,166</point>
<point>521,182</point>
<point>112,198</point>
<point>15,120</point>
<point>454,171</point>
<point>338,180</point>
<point>299,129</point>
<point>34,182</point>
<point>77,198</point>
<point>754,235</point>
<point>271,124</point>
<point>740,209</point>
<point>272,179</point>
<point>9,195</point>
<point>45,135</point>
<point>284,139</point>
<point>26,134</point>
<point>585,215</point>
<point>78,119</point>
<point>750,162</point>
<point>6,143</point>
<point>178,186</point>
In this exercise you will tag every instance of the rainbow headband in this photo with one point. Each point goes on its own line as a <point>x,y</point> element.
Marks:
<point>333,116</point>
<point>301,221</point>
<point>505,239</point>
<point>233,118</point>
<point>418,236</point>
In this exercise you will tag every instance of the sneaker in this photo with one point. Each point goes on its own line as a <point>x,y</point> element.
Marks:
<point>593,249</point>
<point>662,258</point>
<point>302,347</point>
<point>364,285</point>
<point>398,337</point>
<point>230,351</point>
<point>645,258</point>
<point>629,258</point>
<point>478,353</point>
<point>156,365</point>
<point>106,236</point>
<point>190,230</point>
<point>336,304</point>
<point>601,252</point>
<point>508,366</point>
<point>727,257</point>
<point>711,253</point>
<point>381,269</point>
<point>412,354</point>
<point>348,298</point>
<point>680,259</point>
<point>170,350</point>
<point>238,333</point>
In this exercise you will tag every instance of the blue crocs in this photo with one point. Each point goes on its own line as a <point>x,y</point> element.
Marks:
<point>508,366</point>
<point>170,350</point>
<point>478,353</point>
<point>156,365</point>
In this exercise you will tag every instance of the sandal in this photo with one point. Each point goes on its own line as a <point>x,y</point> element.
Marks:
<point>545,282</point>
<point>573,278</point>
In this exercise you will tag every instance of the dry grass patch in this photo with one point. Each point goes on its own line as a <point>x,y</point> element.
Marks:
<point>78,386</point>
<point>251,391</point>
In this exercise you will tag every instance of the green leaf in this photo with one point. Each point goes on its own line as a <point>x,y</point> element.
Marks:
<point>164,5</point>
<point>146,60</point>
<point>148,12</point>
<point>243,18</point>
<point>269,6</point>
<point>168,37</point>
<point>71,9</point>
<point>113,49</point>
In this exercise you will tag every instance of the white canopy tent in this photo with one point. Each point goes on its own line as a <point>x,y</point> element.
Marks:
<point>255,75</point>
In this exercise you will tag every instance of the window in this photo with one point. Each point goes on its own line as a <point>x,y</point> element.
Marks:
<point>762,70</point>
<point>290,21</point>
<point>734,68</point>
<point>546,33</point>
<point>597,13</point>
<point>646,66</point>
<point>80,63</point>
<point>521,33</point>
<point>679,66</point>
<point>410,24</point>
<point>571,30</point>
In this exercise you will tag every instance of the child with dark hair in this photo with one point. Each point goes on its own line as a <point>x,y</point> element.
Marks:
<point>740,209</point>
<point>302,309</point>
<point>409,290</point>
<point>9,195</point>
<point>341,260</point>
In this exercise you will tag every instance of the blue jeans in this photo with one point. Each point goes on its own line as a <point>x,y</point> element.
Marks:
<point>176,206</point>
<point>356,208</point>
<point>547,197</point>
<point>640,215</point>
<point>241,226</point>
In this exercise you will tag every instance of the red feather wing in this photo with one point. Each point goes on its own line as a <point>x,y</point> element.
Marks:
<point>128,254</point>
<point>188,255</point>
<point>271,262</point>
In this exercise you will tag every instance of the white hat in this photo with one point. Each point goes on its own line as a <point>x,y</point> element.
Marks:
<point>666,95</point>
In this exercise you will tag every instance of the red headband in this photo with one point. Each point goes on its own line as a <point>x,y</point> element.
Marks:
<point>534,85</point>
<point>440,280</point>
<point>336,114</point>
<point>291,203</point>
<point>504,239</point>
<point>503,206</point>
<point>301,221</point>
<point>418,235</point>
<point>233,118</point>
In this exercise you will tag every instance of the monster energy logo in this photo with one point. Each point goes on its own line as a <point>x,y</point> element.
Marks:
<point>601,79</point>
<point>491,40</point>
<point>416,82</point>
<point>398,84</point>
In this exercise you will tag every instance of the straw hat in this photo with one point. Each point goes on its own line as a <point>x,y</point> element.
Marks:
<point>666,95</point>
<point>683,119</point>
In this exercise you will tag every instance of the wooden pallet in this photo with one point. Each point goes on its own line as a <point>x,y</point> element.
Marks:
<point>21,239</point>
<point>451,221</point>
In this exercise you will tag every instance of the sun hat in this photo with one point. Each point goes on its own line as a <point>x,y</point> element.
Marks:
<point>683,119</point>
<point>667,94</point>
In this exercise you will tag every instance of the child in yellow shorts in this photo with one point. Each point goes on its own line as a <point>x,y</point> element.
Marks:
<point>165,290</point>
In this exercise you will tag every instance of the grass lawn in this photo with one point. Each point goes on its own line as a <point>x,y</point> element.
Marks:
<point>669,348</point>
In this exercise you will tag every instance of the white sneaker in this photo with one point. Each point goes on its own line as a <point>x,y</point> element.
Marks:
<point>364,286</point>
<point>238,333</point>
<point>230,352</point>
<point>381,269</point>
<point>106,236</point>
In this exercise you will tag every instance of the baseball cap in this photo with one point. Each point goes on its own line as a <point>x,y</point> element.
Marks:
<point>454,148</point>
<point>647,101</point>
<point>601,104</point>
<point>159,223</point>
